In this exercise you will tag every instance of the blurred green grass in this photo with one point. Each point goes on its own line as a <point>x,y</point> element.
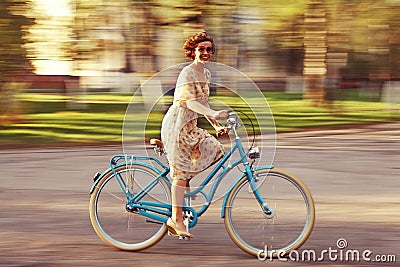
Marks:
<point>56,119</point>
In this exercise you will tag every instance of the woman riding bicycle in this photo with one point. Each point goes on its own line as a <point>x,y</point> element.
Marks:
<point>189,148</point>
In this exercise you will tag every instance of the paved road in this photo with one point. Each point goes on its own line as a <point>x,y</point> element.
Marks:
<point>354,176</point>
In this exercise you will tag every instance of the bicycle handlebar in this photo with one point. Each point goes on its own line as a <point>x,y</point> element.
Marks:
<point>232,122</point>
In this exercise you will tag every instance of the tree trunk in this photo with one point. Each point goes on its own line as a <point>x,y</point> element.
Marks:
<point>315,52</point>
<point>315,90</point>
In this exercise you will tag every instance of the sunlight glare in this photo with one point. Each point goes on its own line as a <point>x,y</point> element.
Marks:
<point>55,7</point>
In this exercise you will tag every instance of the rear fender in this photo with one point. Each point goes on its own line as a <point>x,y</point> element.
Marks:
<point>98,176</point>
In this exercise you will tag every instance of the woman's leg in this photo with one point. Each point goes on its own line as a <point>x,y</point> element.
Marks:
<point>178,191</point>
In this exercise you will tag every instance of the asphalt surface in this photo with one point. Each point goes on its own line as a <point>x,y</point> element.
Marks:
<point>353,174</point>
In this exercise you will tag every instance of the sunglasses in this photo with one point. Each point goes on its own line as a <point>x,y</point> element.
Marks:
<point>201,49</point>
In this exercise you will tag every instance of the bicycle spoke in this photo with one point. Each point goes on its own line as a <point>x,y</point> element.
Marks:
<point>112,222</point>
<point>286,228</point>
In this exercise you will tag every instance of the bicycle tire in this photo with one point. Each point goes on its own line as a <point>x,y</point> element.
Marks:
<point>270,236</point>
<point>111,221</point>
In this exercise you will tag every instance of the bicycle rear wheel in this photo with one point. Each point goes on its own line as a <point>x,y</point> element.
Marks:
<point>264,235</point>
<point>110,219</point>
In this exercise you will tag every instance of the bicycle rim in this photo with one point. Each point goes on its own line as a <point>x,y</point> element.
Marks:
<point>265,236</point>
<point>115,225</point>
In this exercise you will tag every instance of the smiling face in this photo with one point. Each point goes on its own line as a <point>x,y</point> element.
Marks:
<point>203,52</point>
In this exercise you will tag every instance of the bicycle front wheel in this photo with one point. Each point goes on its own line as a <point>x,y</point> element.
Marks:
<point>113,223</point>
<point>265,235</point>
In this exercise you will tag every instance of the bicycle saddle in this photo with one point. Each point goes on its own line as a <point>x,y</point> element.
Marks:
<point>156,142</point>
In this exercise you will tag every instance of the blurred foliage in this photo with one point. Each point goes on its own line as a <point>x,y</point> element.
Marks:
<point>262,38</point>
<point>14,25</point>
<point>266,39</point>
<point>149,33</point>
<point>245,31</point>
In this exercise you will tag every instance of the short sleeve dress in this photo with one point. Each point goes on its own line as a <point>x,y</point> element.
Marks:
<point>189,149</point>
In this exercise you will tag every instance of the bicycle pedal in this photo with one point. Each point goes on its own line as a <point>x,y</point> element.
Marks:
<point>184,238</point>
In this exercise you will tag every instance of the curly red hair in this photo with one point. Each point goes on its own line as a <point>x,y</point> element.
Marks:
<point>191,43</point>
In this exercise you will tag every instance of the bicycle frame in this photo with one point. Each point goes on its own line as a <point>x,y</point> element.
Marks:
<point>161,211</point>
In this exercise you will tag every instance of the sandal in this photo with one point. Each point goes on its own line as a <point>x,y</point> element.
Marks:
<point>174,231</point>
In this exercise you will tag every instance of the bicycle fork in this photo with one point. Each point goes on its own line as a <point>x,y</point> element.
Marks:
<point>269,213</point>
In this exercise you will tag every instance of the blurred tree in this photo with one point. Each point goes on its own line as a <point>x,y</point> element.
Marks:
<point>13,27</point>
<point>124,27</point>
<point>318,37</point>
<point>315,51</point>
<point>358,39</point>
<point>13,60</point>
<point>85,48</point>
<point>285,28</point>
<point>394,40</point>
<point>145,37</point>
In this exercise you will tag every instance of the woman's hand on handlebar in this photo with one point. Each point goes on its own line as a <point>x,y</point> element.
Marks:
<point>221,115</point>
<point>221,131</point>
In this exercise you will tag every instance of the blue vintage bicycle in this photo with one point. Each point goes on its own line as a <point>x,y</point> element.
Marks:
<point>266,211</point>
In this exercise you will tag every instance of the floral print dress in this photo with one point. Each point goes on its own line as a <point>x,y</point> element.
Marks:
<point>189,148</point>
